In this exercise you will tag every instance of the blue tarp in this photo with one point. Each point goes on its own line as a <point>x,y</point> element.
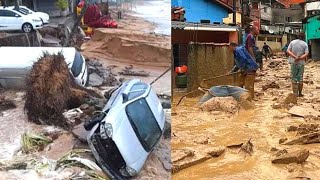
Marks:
<point>223,91</point>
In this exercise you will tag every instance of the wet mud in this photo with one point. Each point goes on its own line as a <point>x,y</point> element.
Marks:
<point>193,131</point>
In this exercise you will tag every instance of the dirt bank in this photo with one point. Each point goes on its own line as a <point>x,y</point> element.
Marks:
<point>196,131</point>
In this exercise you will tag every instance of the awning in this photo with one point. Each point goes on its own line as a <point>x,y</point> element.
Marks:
<point>211,29</point>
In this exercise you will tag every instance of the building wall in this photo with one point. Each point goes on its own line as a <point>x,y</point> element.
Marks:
<point>266,13</point>
<point>229,19</point>
<point>202,9</point>
<point>312,28</point>
<point>315,53</point>
<point>278,15</point>
<point>275,42</point>
<point>184,36</point>
<point>206,61</point>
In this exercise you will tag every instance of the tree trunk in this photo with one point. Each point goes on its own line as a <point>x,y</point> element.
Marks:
<point>16,4</point>
<point>76,24</point>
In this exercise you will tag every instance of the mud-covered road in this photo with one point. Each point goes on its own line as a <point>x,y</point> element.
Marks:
<point>200,139</point>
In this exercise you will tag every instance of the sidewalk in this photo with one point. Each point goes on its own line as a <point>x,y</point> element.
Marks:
<point>68,21</point>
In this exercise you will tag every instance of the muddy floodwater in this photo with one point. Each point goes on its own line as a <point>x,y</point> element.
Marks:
<point>197,131</point>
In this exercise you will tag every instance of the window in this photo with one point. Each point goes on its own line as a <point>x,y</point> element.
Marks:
<point>77,64</point>
<point>26,10</point>
<point>137,90</point>
<point>6,13</point>
<point>273,39</point>
<point>261,38</point>
<point>22,11</point>
<point>288,19</point>
<point>265,9</point>
<point>144,123</point>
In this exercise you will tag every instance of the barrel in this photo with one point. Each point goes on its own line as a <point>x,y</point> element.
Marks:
<point>181,80</point>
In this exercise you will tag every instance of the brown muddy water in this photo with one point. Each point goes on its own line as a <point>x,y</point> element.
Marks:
<point>190,127</point>
<point>13,123</point>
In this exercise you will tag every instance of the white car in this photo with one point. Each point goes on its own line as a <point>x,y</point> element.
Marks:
<point>129,127</point>
<point>17,62</point>
<point>13,20</point>
<point>43,16</point>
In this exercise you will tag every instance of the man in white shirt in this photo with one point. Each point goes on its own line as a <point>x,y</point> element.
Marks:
<point>298,52</point>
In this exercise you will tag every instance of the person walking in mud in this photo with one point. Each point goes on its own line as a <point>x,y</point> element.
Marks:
<point>267,51</point>
<point>298,52</point>
<point>245,63</point>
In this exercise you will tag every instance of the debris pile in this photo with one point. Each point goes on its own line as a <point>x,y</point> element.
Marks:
<point>51,89</point>
<point>270,85</point>
<point>6,104</point>
<point>128,71</point>
<point>33,142</point>
<point>101,76</point>
<point>225,104</point>
<point>298,156</point>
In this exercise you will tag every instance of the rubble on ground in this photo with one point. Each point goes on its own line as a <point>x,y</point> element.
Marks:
<point>6,104</point>
<point>247,147</point>
<point>303,111</point>
<point>298,156</point>
<point>272,84</point>
<point>100,75</point>
<point>185,158</point>
<point>224,104</point>
<point>128,71</point>
<point>313,137</point>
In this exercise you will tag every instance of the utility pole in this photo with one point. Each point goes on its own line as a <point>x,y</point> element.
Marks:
<point>242,22</point>
<point>234,12</point>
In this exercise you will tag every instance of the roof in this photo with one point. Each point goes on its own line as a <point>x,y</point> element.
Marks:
<point>287,3</point>
<point>224,4</point>
<point>202,27</point>
<point>305,20</point>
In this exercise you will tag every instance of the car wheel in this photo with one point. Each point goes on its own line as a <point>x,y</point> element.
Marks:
<point>27,27</point>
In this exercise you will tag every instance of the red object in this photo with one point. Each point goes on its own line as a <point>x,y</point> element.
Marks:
<point>181,69</point>
<point>93,18</point>
<point>81,4</point>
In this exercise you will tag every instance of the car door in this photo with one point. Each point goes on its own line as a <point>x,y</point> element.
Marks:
<point>14,19</point>
<point>3,20</point>
<point>10,20</point>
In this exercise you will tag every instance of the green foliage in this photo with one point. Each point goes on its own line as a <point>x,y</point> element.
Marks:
<point>62,4</point>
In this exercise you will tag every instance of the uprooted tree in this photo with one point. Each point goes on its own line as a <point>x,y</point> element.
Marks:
<point>50,90</point>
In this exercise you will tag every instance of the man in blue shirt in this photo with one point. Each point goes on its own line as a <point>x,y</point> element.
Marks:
<point>244,62</point>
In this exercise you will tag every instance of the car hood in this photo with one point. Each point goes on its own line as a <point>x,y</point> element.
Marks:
<point>41,14</point>
<point>126,140</point>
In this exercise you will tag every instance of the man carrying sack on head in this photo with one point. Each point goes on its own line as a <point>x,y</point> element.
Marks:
<point>245,63</point>
<point>298,52</point>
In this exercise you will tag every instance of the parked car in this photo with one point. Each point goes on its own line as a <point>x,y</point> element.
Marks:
<point>13,20</point>
<point>43,16</point>
<point>126,131</point>
<point>16,62</point>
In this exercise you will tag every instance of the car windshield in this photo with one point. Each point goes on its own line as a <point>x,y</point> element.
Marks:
<point>144,123</point>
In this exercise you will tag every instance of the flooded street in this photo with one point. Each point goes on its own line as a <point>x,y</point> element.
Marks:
<point>126,46</point>
<point>200,131</point>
